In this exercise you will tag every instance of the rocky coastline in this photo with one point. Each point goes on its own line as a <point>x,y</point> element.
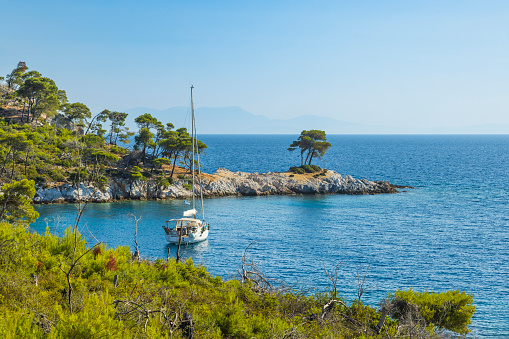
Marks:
<point>222,183</point>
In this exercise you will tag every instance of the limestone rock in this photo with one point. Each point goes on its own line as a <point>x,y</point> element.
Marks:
<point>222,183</point>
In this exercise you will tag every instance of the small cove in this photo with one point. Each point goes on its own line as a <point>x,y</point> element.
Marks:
<point>450,232</point>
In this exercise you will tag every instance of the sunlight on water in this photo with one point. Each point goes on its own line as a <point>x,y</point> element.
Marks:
<point>450,232</point>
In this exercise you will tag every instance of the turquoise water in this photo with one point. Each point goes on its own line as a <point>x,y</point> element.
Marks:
<point>450,232</point>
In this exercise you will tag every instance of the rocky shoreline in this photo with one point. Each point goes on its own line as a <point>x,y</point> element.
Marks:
<point>222,183</point>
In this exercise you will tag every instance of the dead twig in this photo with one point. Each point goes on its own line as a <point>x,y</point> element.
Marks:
<point>361,282</point>
<point>261,284</point>
<point>136,255</point>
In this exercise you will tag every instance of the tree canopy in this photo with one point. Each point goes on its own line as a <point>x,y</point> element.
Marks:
<point>40,95</point>
<point>50,152</point>
<point>312,144</point>
<point>77,113</point>
<point>15,199</point>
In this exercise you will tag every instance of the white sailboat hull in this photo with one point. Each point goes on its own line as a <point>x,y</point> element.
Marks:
<point>188,239</point>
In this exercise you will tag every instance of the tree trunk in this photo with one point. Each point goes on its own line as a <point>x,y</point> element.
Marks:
<point>5,161</point>
<point>26,162</point>
<point>307,157</point>
<point>311,157</point>
<point>143,155</point>
<point>174,161</point>
<point>12,172</point>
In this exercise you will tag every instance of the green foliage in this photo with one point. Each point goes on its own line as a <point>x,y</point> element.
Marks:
<point>136,174</point>
<point>15,201</point>
<point>50,155</point>
<point>308,169</point>
<point>188,187</point>
<point>305,169</point>
<point>78,176</point>
<point>57,174</point>
<point>220,309</point>
<point>118,150</point>
<point>14,79</point>
<point>118,131</point>
<point>312,143</point>
<point>147,121</point>
<point>40,95</point>
<point>297,170</point>
<point>178,145</point>
<point>99,156</point>
<point>451,310</point>
<point>159,162</point>
<point>162,181</point>
<point>76,113</point>
<point>92,140</point>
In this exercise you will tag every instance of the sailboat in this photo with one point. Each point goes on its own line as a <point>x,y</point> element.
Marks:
<point>190,229</point>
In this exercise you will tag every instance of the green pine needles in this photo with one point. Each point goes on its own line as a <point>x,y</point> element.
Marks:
<point>115,296</point>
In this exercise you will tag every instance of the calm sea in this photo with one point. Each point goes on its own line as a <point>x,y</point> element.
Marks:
<point>450,232</point>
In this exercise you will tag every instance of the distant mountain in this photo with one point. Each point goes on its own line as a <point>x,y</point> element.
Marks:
<point>235,120</point>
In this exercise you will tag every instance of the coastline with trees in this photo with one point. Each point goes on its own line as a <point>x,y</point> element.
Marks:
<point>71,154</point>
<point>65,287</point>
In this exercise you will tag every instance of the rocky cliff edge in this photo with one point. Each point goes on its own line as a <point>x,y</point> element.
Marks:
<point>222,183</point>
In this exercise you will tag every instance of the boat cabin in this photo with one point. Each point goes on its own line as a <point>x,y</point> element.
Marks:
<point>184,224</point>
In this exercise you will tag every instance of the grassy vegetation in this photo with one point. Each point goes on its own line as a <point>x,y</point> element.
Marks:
<point>114,295</point>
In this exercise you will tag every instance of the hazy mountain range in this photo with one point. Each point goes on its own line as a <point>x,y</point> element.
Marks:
<point>235,120</point>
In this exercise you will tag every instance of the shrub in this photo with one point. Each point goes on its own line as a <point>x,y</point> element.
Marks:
<point>451,310</point>
<point>297,170</point>
<point>162,181</point>
<point>219,308</point>
<point>64,163</point>
<point>118,150</point>
<point>188,187</point>
<point>78,176</point>
<point>102,181</point>
<point>57,175</point>
<point>308,168</point>
<point>316,168</point>
<point>181,176</point>
<point>39,179</point>
<point>136,174</point>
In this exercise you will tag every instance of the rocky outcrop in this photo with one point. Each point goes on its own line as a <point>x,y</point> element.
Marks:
<point>242,183</point>
<point>222,183</point>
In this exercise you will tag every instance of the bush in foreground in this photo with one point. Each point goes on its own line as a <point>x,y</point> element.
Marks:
<point>115,296</point>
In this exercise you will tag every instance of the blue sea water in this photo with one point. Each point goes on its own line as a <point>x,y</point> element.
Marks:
<point>450,232</point>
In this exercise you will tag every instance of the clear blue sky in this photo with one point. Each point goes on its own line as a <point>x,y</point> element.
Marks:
<point>397,63</point>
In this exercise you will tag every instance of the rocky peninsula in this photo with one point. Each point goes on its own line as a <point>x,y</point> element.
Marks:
<point>222,183</point>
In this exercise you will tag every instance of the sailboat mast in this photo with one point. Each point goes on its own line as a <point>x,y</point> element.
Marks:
<point>192,141</point>
<point>195,149</point>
